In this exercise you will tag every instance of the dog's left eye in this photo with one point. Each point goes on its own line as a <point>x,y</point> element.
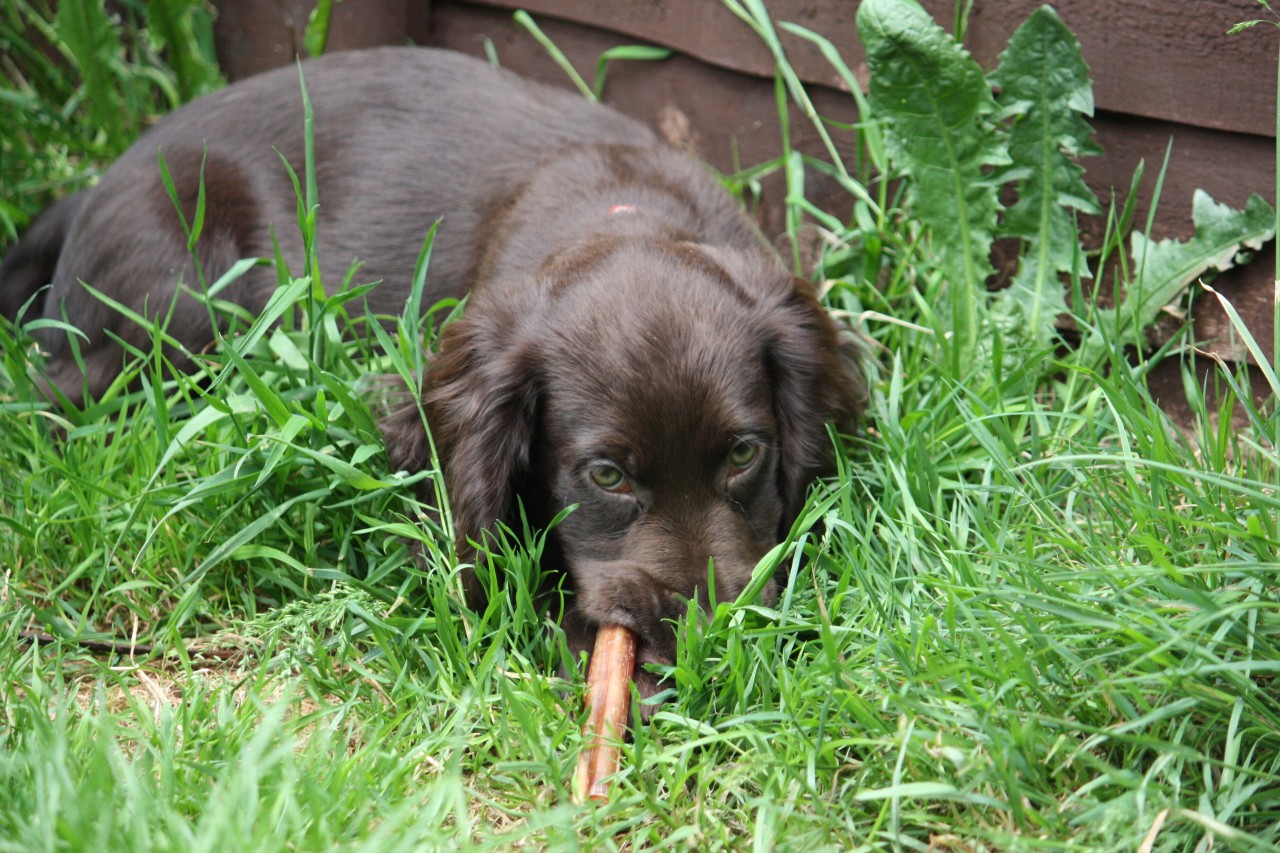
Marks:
<point>610,479</point>
<point>742,456</point>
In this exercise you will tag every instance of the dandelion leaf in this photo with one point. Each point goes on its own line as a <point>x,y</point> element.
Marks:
<point>1046,94</point>
<point>1164,269</point>
<point>938,110</point>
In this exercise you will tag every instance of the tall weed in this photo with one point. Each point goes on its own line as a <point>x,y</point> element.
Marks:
<point>957,136</point>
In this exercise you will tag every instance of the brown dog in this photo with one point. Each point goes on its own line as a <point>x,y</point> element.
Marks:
<point>630,346</point>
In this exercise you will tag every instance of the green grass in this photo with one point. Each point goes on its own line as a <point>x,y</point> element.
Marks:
<point>1028,613</point>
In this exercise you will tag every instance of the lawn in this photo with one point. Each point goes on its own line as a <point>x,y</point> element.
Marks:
<point>1029,612</point>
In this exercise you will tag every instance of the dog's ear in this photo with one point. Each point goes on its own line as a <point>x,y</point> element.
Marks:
<point>816,381</point>
<point>480,398</point>
<point>405,437</point>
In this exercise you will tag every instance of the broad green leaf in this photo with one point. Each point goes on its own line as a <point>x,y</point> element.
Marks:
<point>178,26</point>
<point>1045,89</point>
<point>1165,268</point>
<point>938,107</point>
<point>95,44</point>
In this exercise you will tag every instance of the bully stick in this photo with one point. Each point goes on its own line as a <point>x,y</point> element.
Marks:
<point>613,661</point>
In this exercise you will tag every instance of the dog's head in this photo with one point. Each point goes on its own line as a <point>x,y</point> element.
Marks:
<point>677,394</point>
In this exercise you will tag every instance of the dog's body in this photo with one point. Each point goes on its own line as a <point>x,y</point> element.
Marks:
<point>630,345</point>
<point>403,136</point>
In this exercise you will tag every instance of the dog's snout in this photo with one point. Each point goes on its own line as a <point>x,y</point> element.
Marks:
<point>654,597</point>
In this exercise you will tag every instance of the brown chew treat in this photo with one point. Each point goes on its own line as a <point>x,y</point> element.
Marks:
<point>613,660</point>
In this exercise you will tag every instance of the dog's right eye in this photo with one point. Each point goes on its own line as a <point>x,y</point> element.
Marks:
<point>610,479</point>
<point>742,456</point>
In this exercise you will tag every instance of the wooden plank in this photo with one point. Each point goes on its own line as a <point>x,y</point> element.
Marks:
<point>1229,166</point>
<point>727,119</point>
<point>1148,59</point>
<point>252,37</point>
<point>1165,382</point>
<point>704,29</point>
<point>1250,290</point>
<point>730,113</point>
<point>1160,61</point>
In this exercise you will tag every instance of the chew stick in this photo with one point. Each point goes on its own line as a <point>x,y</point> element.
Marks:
<point>613,660</point>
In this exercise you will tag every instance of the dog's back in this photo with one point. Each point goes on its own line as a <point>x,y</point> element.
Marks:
<point>403,137</point>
